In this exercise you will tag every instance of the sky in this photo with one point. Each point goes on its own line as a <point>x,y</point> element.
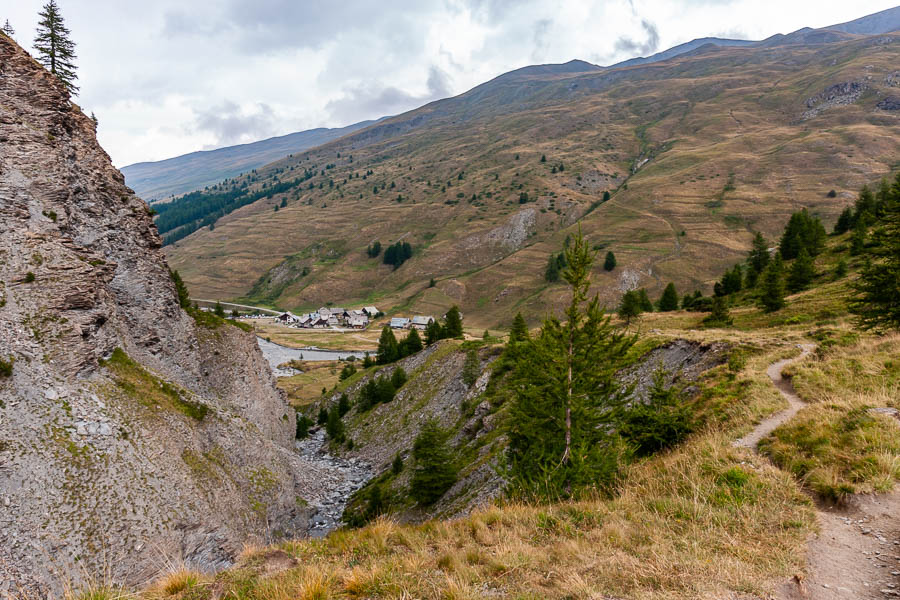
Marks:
<point>167,77</point>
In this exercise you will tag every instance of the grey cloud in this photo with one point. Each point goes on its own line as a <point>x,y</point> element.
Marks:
<point>541,43</point>
<point>231,125</point>
<point>492,11</point>
<point>648,46</point>
<point>265,25</point>
<point>374,100</point>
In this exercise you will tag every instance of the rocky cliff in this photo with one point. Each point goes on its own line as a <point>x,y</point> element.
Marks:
<point>131,434</point>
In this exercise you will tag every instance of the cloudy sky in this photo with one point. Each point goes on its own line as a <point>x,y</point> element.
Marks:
<point>166,77</point>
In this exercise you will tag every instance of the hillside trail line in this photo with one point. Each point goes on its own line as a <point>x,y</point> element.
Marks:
<point>856,554</point>
<point>786,388</point>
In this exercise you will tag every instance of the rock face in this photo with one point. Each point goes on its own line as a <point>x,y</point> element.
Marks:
<point>889,103</point>
<point>130,435</point>
<point>838,94</point>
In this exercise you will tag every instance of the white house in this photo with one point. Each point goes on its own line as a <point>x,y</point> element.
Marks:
<point>287,317</point>
<point>371,311</point>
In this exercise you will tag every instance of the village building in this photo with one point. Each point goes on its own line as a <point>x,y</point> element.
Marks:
<point>422,321</point>
<point>357,321</point>
<point>371,311</point>
<point>399,323</point>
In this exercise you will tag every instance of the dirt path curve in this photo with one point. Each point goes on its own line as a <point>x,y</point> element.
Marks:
<point>784,386</point>
<point>856,554</point>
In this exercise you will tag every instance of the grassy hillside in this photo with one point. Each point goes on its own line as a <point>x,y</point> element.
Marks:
<point>727,147</point>
<point>704,520</point>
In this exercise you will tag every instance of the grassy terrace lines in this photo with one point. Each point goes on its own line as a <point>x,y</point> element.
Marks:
<point>756,172</point>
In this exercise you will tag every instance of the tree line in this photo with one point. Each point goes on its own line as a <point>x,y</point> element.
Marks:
<point>202,208</point>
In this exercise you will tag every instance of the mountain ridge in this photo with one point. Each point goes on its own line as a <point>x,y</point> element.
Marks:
<point>156,180</point>
<point>147,177</point>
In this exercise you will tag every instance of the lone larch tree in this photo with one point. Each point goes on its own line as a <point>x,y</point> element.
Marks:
<point>55,49</point>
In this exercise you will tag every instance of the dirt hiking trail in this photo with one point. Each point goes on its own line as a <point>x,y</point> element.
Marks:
<point>856,554</point>
<point>784,386</point>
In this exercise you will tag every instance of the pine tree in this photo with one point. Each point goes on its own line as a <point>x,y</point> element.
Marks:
<point>719,316</point>
<point>802,231</point>
<point>55,50</point>
<point>453,327</point>
<point>8,30</point>
<point>388,349</point>
<point>876,301</point>
<point>566,398</point>
<point>610,262</point>
<point>661,423</point>
<point>519,330</point>
<point>367,361</point>
<point>858,238</point>
<point>802,272</point>
<point>772,286</point>
<point>385,390</point>
<point>398,378</point>
<point>758,257</point>
<point>303,425</point>
<point>865,207</point>
<point>644,302</point>
<point>435,472</point>
<point>397,465</point>
<point>669,299</point>
<point>840,271</point>
<point>630,307</point>
<point>732,281</point>
<point>551,274</point>
<point>323,416</point>
<point>471,368</point>
<point>433,332</point>
<point>412,343</point>
<point>844,222</point>
<point>184,299</point>
<point>343,405</point>
<point>334,427</point>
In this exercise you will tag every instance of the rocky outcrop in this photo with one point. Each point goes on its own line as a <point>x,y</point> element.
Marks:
<point>130,435</point>
<point>889,103</point>
<point>839,94</point>
<point>680,361</point>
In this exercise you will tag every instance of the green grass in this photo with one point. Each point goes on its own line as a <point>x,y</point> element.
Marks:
<point>141,385</point>
<point>839,445</point>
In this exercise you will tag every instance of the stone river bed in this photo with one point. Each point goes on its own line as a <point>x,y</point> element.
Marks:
<point>329,480</point>
<point>335,481</point>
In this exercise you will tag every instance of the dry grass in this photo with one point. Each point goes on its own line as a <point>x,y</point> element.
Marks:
<point>690,524</point>
<point>366,339</point>
<point>307,386</point>
<point>837,445</point>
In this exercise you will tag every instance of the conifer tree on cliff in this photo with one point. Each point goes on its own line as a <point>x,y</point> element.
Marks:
<point>7,29</point>
<point>55,49</point>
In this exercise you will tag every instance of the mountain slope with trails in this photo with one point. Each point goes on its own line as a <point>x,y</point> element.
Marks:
<point>697,153</point>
